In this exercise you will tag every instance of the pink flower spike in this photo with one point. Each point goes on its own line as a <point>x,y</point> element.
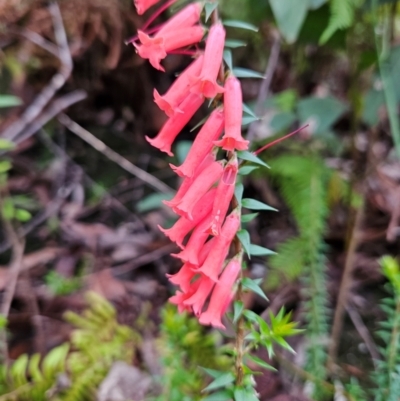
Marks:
<point>183,226</point>
<point>175,124</point>
<point>222,294</point>
<point>202,144</point>
<point>187,17</point>
<point>155,49</point>
<point>206,82</point>
<point>203,182</point>
<point>180,297</point>
<point>187,182</point>
<point>232,138</point>
<point>144,5</point>
<point>178,90</point>
<point>213,264</point>
<point>184,277</point>
<point>223,197</point>
<point>198,299</point>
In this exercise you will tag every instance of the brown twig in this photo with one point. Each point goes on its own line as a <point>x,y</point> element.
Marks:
<point>57,81</point>
<point>265,85</point>
<point>112,155</point>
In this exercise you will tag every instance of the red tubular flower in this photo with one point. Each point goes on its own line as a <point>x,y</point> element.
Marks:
<point>143,5</point>
<point>197,300</point>
<point>232,138</point>
<point>222,294</point>
<point>202,144</point>
<point>186,274</point>
<point>187,17</point>
<point>175,124</point>
<point>184,277</point>
<point>180,297</point>
<point>206,82</point>
<point>187,182</point>
<point>195,245</point>
<point>208,177</point>
<point>183,226</point>
<point>213,264</point>
<point>179,89</point>
<point>223,197</point>
<point>155,49</point>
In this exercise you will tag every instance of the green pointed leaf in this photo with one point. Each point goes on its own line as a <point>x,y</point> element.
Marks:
<point>253,286</point>
<point>212,372</point>
<point>9,101</point>
<point>251,157</point>
<point>210,7</point>
<point>248,110</point>
<point>260,362</point>
<point>246,120</point>
<point>153,201</point>
<point>289,17</point>
<point>221,381</point>
<point>245,218</point>
<point>239,192</point>
<point>245,170</point>
<point>256,205</point>
<point>203,120</point>
<point>244,394</point>
<point>237,310</point>
<point>5,144</point>
<point>220,396</point>
<point>240,24</point>
<point>228,58</point>
<point>244,238</point>
<point>257,250</point>
<point>246,73</point>
<point>235,43</point>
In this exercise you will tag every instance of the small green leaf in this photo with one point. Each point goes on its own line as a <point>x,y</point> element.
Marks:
<point>182,149</point>
<point>246,120</point>
<point>246,73</point>
<point>6,144</point>
<point>237,310</point>
<point>245,170</point>
<point>248,217</point>
<point>153,201</point>
<point>203,120</point>
<point>210,7</point>
<point>253,286</point>
<point>22,215</point>
<point>8,209</point>
<point>212,372</point>
<point>235,43</point>
<point>239,192</point>
<point>240,24</point>
<point>228,59</point>
<point>256,205</point>
<point>9,101</point>
<point>5,165</point>
<point>244,238</point>
<point>251,157</point>
<point>223,395</point>
<point>260,362</point>
<point>257,250</point>
<point>244,394</point>
<point>222,381</point>
<point>248,110</point>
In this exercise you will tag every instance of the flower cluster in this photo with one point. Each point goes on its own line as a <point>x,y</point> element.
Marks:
<point>204,199</point>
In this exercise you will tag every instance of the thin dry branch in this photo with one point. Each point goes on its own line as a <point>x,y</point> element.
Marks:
<point>265,85</point>
<point>57,81</point>
<point>114,156</point>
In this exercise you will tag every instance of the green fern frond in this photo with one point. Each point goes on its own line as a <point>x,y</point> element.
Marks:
<point>342,17</point>
<point>304,183</point>
<point>387,375</point>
